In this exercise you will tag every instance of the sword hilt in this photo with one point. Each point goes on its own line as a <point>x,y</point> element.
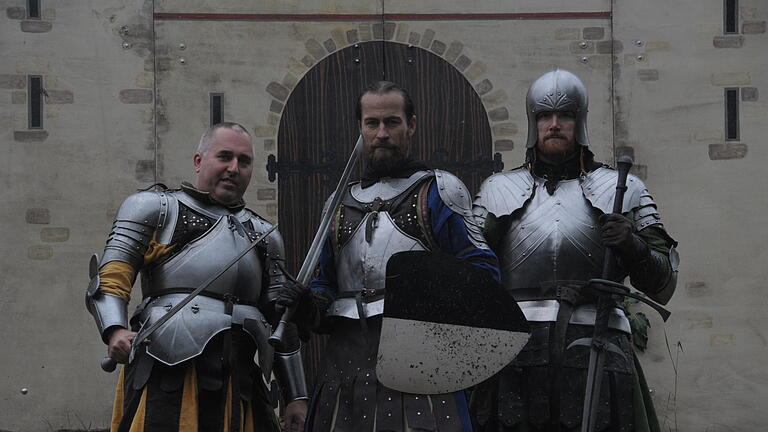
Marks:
<point>279,334</point>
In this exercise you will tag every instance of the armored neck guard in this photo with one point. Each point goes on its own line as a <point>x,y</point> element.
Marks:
<point>206,197</point>
<point>406,169</point>
<point>580,163</point>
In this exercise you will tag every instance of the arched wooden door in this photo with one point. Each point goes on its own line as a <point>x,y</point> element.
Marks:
<point>318,130</point>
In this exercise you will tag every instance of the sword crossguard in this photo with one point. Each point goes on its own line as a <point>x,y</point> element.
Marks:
<point>605,286</point>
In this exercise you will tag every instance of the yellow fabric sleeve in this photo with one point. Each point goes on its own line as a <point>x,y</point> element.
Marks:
<point>117,277</point>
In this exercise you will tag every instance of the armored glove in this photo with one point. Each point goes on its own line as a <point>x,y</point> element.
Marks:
<point>618,232</point>
<point>291,294</point>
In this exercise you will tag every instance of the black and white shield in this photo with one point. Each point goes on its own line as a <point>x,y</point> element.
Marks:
<point>447,325</point>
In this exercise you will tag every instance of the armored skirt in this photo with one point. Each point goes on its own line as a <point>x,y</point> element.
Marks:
<point>195,395</point>
<point>515,400</point>
<point>349,398</point>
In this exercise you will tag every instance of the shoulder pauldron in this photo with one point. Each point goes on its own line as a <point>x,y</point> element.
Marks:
<point>503,193</point>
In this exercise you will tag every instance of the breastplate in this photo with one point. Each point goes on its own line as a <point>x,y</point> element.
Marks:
<point>554,237</point>
<point>362,265</point>
<point>205,256</point>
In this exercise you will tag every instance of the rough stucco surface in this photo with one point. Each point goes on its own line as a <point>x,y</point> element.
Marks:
<point>60,193</point>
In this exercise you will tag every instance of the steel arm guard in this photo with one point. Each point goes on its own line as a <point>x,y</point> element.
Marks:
<point>289,371</point>
<point>141,217</point>
<point>109,311</point>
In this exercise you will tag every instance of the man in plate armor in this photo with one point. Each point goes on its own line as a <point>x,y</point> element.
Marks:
<point>549,222</point>
<point>197,371</point>
<point>399,205</point>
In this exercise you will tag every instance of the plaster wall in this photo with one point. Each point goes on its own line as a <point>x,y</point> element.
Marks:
<point>672,72</point>
<point>105,134</point>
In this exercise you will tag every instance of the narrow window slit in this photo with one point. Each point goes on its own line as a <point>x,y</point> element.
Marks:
<point>731,16</point>
<point>732,114</point>
<point>217,108</point>
<point>35,101</point>
<point>33,9</point>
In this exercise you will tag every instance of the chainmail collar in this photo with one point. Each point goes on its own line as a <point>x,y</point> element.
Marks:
<point>207,198</point>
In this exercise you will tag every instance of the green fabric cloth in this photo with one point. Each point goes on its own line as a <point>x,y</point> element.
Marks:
<point>645,414</point>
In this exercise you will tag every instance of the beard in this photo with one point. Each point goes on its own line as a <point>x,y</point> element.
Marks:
<point>383,161</point>
<point>555,155</point>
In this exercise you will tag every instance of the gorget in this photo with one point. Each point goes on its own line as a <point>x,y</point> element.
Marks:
<point>361,263</point>
<point>386,188</point>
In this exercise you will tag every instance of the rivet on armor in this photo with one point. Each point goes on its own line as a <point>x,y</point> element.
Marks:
<point>417,398</point>
<point>24,390</point>
<point>583,45</point>
<point>584,60</point>
<point>448,417</point>
<point>638,43</point>
<point>126,45</point>
<point>357,60</point>
<point>640,58</point>
<point>418,412</point>
<point>365,416</point>
<point>182,46</point>
<point>182,60</point>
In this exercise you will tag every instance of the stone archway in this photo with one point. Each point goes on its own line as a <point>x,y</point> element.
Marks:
<point>318,130</point>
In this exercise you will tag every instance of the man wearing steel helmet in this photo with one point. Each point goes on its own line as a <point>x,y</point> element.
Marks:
<point>549,222</point>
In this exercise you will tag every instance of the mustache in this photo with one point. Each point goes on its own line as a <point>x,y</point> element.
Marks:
<point>554,136</point>
<point>384,145</point>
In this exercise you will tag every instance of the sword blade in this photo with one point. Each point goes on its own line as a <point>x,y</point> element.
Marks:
<point>594,384</point>
<point>313,254</point>
<point>604,304</point>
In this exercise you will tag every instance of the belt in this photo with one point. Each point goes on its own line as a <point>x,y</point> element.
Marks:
<point>367,294</point>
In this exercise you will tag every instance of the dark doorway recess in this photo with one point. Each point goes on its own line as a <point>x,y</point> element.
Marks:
<point>318,130</point>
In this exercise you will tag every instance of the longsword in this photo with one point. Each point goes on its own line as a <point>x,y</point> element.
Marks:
<point>108,364</point>
<point>313,255</point>
<point>606,290</point>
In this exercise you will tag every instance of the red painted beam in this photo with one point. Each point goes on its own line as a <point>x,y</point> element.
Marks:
<point>181,16</point>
